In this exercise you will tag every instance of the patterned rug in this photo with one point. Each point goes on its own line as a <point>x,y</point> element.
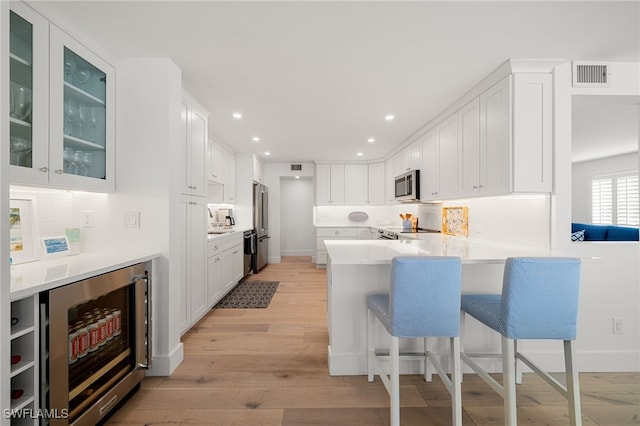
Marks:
<point>249,294</point>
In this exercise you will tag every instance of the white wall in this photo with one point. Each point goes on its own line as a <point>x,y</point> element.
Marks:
<point>297,237</point>
<point>581,181</point>
<point>610,284</point>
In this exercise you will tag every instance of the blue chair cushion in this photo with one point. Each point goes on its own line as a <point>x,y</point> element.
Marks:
<point>539,300</point>
<point>424,299</point>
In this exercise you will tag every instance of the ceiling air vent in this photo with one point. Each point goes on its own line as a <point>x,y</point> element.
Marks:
<point>591,74</point>
<point>296,167</point>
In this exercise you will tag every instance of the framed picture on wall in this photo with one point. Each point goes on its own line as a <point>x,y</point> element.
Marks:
<point>23,231</point>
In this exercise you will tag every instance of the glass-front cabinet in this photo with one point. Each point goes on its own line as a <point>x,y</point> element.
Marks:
<point>62,108</point>
<point>29,95</point>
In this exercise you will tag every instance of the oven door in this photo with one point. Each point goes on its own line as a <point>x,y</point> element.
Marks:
<point>105,325</point>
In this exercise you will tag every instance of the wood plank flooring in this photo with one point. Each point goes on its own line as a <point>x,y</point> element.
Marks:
<point>269,367</point>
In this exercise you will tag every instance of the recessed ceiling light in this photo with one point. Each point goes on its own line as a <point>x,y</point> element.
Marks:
<point>389,117</point>
<point>371,140</point>
<point>360,154</point>
<point>255,139</point>
<point>237,115</point>
<point>297,177</point>
<point>267,153</point>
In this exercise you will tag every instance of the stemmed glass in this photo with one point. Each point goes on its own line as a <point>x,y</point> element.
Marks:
<point>67,159</point>
<point>69,116</point>
<point>82,115</point>
<point>18,147</point>
<point>93,123</point>
<point>77,161</point>
<point>87,160</point>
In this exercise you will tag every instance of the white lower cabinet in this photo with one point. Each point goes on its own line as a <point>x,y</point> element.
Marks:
<point>322,234</point>
<point>225,263</point>
<point>24,372</point>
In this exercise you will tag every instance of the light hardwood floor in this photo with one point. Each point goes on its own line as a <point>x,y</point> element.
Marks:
<point>269,367</point>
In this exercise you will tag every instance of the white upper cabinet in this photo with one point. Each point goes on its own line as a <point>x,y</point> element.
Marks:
<point>193,147</point>
<point>229,174</point>
<point>410,158</point>
<point>447,160</point>
<point>376,184</point>
<point>498,143</point>
<point>356,184</point>
<point>62,108</point>
<point>330,180</point>
<point>494,168</point>
<point>389,185</point>
<point>258,170</point>
<point>532,133</point>
<point>216,159</point>
<point>469,149</point>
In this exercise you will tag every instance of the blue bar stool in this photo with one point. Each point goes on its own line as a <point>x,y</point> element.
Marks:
<point>539,301</point>
<point>424,301</point>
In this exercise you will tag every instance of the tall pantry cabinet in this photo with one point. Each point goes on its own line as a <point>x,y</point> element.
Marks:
<point>193,202</point>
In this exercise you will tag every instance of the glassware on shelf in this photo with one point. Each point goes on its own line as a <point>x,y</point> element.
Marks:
<point>21,104</point>
<point>18,147</point>
<point>67,160</point>
<point>78,163</point>
<point>69,117</point>
<point>93,124</point>
<point>82,76</point>
<point>80,121</point>
<point>87,161</point>
<point>70,67</point>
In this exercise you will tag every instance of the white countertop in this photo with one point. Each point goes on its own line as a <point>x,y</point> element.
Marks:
<point>234,231</point>
<point>33,277</point>
<point>470,250</point>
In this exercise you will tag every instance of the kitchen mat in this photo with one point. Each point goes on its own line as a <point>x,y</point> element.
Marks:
<point>249,295</point>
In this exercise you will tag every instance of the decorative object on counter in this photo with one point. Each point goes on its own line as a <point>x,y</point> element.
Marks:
<point>455,221</point>
<point>22,230</point>
<point>409,222</point>
<point>73,235</point>
<point>55,246</point>
<point>249,295</point>
<point>358,216</point>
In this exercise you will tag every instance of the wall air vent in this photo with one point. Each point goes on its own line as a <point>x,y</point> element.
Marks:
<point>591,74</point>
<point>296,167</point>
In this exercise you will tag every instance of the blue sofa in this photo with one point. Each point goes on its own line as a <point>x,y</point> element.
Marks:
<point>605,232</point>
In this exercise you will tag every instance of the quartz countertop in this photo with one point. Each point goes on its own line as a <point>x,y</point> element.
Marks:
<point>34,277</point>
<point>234,231</point>
<point>470,250</point>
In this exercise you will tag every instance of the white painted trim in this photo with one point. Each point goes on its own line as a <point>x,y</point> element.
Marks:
<point>165,365</point>
<point>297,252</point>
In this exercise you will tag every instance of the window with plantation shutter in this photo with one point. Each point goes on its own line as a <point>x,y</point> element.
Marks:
<point>614,199</point>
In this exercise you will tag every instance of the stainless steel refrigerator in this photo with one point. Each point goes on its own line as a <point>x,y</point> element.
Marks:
<point>261,224</point>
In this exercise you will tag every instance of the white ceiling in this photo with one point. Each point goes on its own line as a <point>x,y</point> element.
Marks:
<point>314,80</point>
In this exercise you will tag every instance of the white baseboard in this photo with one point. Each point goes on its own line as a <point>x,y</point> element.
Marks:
<point>166,365</point>
<point>309,253</point>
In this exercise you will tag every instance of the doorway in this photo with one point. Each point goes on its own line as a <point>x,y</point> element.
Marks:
<point>296,216</point>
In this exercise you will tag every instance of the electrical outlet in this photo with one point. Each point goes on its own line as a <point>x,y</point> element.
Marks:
<point>617,325</point>
<point>86,219</point>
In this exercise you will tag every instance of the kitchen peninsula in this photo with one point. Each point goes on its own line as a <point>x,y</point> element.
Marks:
<point>357,268</point>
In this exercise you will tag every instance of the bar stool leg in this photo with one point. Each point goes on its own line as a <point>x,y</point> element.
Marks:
<point>428,372</point>
<point>370,329</point>
<point>456,381</point>
<point>517,344</point>
<point>395,381</point>
<point>509,382</point>
<point>573,385</point>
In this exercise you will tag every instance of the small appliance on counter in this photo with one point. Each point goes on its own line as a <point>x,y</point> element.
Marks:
<point>226,216</point>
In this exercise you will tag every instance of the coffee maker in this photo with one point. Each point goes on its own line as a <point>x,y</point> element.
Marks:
<point>226,216</point>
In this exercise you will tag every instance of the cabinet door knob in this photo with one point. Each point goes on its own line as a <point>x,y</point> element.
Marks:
<point>44,169</point>
<point>475,186</point>
<point>58,171</point>
<point>336,233</point>
<point>481,186</point>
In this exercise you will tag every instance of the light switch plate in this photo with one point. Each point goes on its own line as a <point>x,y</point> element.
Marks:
<point>132,219</point>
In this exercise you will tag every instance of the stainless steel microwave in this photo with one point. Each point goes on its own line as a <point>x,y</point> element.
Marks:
<point>407,186</point>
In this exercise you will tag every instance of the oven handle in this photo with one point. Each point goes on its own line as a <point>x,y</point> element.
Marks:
<point>147,320</point>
